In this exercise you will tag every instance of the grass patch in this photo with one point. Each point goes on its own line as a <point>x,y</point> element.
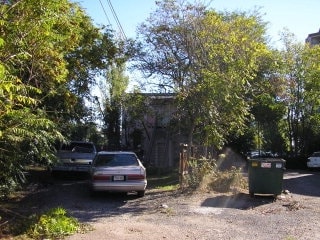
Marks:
<point>165,182</point>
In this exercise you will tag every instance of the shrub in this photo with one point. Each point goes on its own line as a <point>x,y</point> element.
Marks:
<point>54,224</point>
<point>224,181</point>
<point>204,174</point>
<point>197,170</point>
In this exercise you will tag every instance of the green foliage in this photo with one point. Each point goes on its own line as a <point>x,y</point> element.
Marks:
<point>210,59</point>
<point>136,107</point>
<point>197,170</point>
<point>50,54</point>
<point>54,224</point>
<point>35,40</point>
<point>297,74</point>
<point>115,87</point>
<point>26,134</point>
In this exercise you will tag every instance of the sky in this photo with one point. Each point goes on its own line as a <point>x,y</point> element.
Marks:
<point>301,17</point>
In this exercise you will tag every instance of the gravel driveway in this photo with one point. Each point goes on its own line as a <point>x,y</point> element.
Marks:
<point>173,215</point>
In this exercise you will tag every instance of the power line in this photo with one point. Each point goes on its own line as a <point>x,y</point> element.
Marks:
<point>117,19</point>
<point>105,13</point>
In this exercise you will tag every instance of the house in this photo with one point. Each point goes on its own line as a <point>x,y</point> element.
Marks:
<point>313,38</point>
<point>151,136</point>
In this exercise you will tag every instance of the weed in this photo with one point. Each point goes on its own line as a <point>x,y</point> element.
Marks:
<point>204,174</point>
<point>168,187</point>
<point>198,169</point>
<point>224,181</point>
<point>290,238</point>
<point>54,224</point>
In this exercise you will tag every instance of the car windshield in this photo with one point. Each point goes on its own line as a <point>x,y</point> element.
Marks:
<point>78,147</point>
<point>113,160</point>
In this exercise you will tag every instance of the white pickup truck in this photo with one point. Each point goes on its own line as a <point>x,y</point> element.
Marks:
<point>76,156</point>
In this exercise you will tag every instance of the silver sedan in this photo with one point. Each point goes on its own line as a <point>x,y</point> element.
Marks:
<point>119,172</point>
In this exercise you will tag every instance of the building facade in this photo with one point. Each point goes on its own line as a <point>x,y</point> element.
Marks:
<point>152,137</point>
<point>313,38</point>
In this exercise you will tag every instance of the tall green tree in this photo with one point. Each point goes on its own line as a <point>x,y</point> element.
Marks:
<point>48,49</point>
<point>38,36</point>
<point>292,71</point>
<point>57,49</point>
<point>96,52</point>
<point>117,83</point>
<point>211,60</point>
<point>26,134</point>
<point>311,123</point>
<point>296,85</point>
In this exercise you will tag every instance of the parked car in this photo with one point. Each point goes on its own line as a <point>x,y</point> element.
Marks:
<point>314,160</point>
<point>118,172</point>
<point>75,156</point>
<point>256,154</point>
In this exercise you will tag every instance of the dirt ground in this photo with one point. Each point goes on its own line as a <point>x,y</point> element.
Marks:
<point>209,216</point>
<point>175,215</point>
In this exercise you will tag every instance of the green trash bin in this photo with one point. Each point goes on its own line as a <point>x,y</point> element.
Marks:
<point>265,176</point>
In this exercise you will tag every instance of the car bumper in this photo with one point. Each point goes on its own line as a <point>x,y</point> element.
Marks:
<point>119,186</point>
<point>313,165</point>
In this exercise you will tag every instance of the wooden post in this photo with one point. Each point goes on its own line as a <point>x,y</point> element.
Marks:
<point>182,163</point>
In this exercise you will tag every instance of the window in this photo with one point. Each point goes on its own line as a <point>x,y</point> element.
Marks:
<point>113,160</point>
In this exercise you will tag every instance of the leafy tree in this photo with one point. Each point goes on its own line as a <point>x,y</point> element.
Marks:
<point>57,49</point>
<point>211,60</point>
<point>26,134</point>
<point>292,98</point>
<point>40,89</point>
<point>86,64</point>
<point>311,133</point>
<point>116,85</point>
<point>112,84</point>
<point>268,109</point>
<point>136,107</point>
<point>292,71</point>
<point>268,113</point>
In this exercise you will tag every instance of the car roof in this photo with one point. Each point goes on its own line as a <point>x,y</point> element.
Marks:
<point>115,152</point>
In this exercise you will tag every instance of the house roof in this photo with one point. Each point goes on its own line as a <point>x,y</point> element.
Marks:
<point>313,36</point>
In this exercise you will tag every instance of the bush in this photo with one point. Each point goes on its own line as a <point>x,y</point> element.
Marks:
<point>54,225</point>
<point>204,174</point>
<point>197,170</point>
<point>224,181</point>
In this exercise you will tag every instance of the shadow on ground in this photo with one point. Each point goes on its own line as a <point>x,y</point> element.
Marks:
<point>240,201</point>
<point>302,182</point>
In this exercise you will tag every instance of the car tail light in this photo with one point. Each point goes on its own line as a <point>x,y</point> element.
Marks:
<point>136,177</point>
<point>101,177</point>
